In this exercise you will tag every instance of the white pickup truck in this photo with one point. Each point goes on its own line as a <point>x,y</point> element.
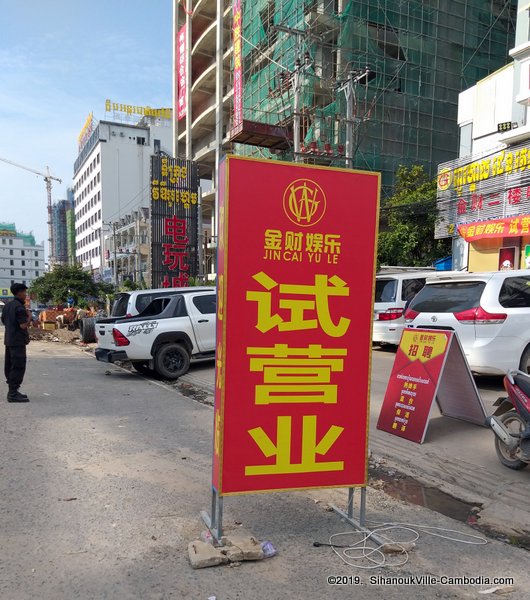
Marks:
<point>165,337</point>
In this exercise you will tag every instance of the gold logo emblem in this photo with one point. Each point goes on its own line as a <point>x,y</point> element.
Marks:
<point>445,179</point>
<point>304,202</point>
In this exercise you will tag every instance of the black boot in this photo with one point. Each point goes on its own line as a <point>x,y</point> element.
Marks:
<point>16,396</point>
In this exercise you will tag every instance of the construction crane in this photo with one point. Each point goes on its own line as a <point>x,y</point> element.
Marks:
<point>48,180</point>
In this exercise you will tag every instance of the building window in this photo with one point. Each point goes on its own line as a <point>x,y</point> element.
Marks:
<point>22,253</point>
<point>36,273</point>
<point>12,262</point>
<point>36,263</point>
<point>97,158</point>
<point>12,271</point>
<point>23,263</point>
<point>10,252</point>
<point>23,273</point>
<point>4,241</point>
<point>36,252</point>
<point>10,242</point>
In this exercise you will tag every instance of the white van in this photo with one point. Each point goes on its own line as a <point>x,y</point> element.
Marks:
<point>393,290</point>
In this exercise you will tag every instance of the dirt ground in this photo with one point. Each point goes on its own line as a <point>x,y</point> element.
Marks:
<point>103,475</point>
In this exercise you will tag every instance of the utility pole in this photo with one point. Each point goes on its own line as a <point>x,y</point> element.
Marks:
<point>348,87</point>
<point>297,79</point>
<point>296,111</point>
<point>115,254</point>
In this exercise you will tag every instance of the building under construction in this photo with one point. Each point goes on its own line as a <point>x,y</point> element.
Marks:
<point>371,84</point>
<point>63,229</point>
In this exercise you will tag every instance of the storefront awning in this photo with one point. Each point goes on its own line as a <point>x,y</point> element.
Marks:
<point>497,228</point>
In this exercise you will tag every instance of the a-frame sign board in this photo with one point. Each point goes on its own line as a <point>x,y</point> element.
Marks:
<point>429,365</point>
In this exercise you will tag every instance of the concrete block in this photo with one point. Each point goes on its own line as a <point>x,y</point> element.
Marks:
<point>204,555</point>
<point>233,553</point>
<point>248,545</point>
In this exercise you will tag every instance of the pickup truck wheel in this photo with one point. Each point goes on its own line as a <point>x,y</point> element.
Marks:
<point>87,330</point>
<point>172,361</point>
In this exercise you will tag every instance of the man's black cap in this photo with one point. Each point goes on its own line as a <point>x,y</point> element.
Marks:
<point>18,287</point>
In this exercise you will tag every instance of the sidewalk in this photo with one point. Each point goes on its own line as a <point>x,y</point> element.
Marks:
<point>457,457</point>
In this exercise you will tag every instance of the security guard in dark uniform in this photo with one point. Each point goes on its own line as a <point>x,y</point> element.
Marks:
<point>15,318</point>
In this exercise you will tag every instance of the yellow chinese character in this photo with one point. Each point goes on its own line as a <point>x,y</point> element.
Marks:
<point>217,433</point>
<point>394,425</point>
<point>398,412</point>
<point>314,242</point>
<point>296,375</point>
<point>219,366</point>
<point>318,303</point>
<point>221,298</point>
<point>471,231</point>
<point>514,226</point>
<point>293,241</point>
<point>332,244</point>
<point>282,449</point>
<point>403,428</point>
<point>489,229</point>
<point>525,225</point>
<point>273,239</point>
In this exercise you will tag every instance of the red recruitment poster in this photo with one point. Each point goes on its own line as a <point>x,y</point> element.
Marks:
<point>296,263</point>
<point>413,382</point>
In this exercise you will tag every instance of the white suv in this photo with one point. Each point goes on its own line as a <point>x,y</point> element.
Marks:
<point>490,313</point>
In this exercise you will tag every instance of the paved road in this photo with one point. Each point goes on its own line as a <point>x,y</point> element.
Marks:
<point>102,477</point>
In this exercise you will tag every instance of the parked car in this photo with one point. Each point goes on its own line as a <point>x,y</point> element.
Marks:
<point>392,292</point>
<point>490,313</point>
<point>164,338</point>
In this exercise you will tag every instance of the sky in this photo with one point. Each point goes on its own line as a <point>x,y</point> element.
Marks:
<point>59,61</point>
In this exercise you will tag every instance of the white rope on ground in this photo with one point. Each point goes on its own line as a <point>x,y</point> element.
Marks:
<point>357,554</point>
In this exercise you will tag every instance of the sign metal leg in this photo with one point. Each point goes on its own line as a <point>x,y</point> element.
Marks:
<point>214,523</point>
<point>349,515</point>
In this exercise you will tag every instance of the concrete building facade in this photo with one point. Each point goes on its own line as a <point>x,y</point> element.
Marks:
<point>111,179</point>
<point>21,258</point>
<point>484,194</point>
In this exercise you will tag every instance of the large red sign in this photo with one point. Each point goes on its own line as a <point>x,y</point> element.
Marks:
<point>296,259</point>
<point>181,72</point>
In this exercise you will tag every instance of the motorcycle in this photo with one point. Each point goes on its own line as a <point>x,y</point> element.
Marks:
<point>511,422</point>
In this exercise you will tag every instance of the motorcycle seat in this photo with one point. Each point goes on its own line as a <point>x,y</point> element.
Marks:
<point>523,383</point>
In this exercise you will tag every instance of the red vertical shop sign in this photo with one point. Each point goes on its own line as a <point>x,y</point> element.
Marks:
<point>296,259</point>
<point>237,22</point>
<point>181,72</point>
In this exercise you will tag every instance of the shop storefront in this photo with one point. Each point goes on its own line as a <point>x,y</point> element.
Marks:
<point>484,201</point>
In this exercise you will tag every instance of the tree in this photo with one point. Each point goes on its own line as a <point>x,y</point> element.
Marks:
<point>67,281</point>
<point>410,217</point>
